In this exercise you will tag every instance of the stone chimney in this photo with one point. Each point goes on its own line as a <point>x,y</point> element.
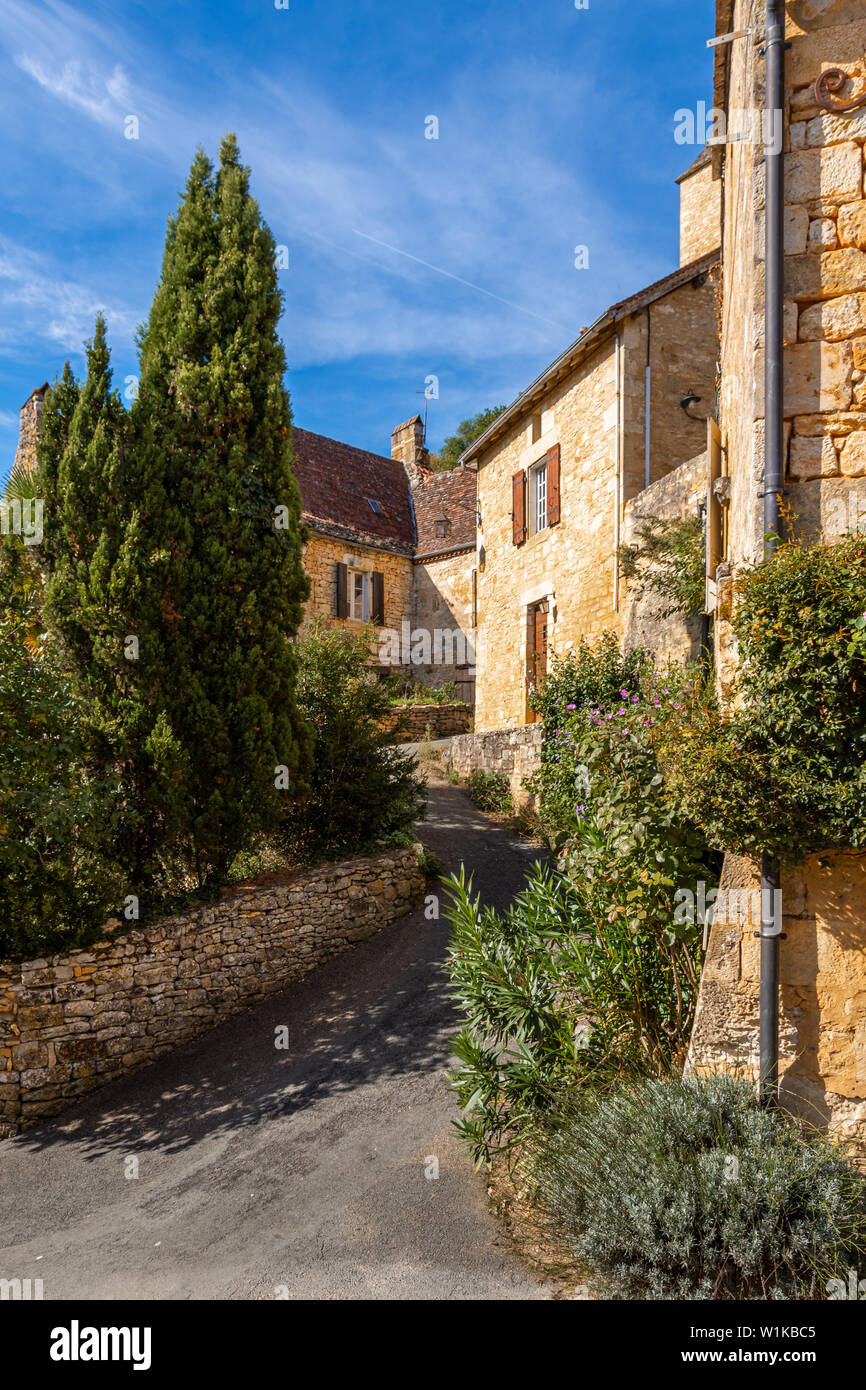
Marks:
<point>700,209</point>
<point>407,445</point>
<point>28,433</point>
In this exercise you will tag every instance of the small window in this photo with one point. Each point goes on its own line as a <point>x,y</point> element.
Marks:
<point>538,497</point>
<point>376,506</point>
<point>357,596</point>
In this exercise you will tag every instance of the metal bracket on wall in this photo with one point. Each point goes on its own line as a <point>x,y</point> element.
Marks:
<point>728,38</point>
<point>833,80</point>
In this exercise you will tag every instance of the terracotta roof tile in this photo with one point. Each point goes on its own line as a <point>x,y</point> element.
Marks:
<point>338,482</point>
<point>451,495</point>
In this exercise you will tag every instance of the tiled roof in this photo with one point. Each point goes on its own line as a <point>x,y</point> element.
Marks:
<point>451,495</point>
<point>338,483</point>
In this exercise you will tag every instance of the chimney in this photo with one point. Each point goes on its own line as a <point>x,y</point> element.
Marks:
<point>407,445</point>
<point>25,454</point>
<point>700,209</point>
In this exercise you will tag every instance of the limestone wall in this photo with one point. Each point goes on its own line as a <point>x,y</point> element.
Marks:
<point>678,495</point>
<point>513,753</point>
<point>444,604</point>
<point>700,213</point>
<point>69,1023</point>
<point>411,723</point>
<point>823,987</point>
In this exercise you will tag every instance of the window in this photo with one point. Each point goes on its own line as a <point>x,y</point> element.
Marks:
<point>357,595</point>
<point>376,506</point>
<point>538,497</point>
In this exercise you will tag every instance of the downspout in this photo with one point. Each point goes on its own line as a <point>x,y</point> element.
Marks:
<point>647,400</point>
<point>774,51</point>
<point>618,486</point>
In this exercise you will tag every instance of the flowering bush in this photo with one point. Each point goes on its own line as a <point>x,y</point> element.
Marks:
<point>785,770</point>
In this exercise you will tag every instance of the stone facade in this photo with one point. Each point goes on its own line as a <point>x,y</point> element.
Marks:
<point>444,603</point>
<point>677,496</point>
<point>69,1023</point>
<point>823,959</point>
<point>618,427</point>
<point>414,723</point>
<point>700,209</point>
<point>321,556</point>
<point>513,753</point>
<point>822,1043</point>
<point>31,410</point>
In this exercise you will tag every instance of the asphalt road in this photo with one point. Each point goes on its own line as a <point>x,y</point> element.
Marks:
<point>296,1174</point>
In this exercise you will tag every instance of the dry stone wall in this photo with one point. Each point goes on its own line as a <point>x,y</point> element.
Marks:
<point>513,753</point>
<point>411,723</point>
<point>69,1023</point>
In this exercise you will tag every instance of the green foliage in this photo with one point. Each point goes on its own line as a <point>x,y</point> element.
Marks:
<point>405,690</point>
<point>785,771</point>
<point>670,561</point>
<point>589,676</point>
<point>361,790</point>
<point>57,883</point>
<point>490,792</point>
<point>467,432</point>
<point>690,1190</point>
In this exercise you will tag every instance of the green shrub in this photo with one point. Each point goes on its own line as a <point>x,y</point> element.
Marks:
<point>584,980</point>
<point>58,884</point>
<point>670,561</point>
<point>405,690</point>
<point>785,771</point>
<point>360,791</point>
<point>689,1189</point>
<point>490,791</point>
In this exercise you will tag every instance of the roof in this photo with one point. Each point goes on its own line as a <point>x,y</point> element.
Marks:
<point>450,494</point>
<point>339,482</point>
<point>586,343</point>
<point>704,158</point>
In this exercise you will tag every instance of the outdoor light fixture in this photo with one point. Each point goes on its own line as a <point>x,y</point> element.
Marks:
<point>687,402</point>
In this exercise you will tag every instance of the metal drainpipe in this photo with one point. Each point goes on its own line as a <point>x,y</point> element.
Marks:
<point>774,50</point>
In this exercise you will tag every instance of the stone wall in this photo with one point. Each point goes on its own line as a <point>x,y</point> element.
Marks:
<point>822,966</point>
<point>28,436</point>
<point>69,1023</point>
<point>442,721</point>
<point>444,605</point>
<point>700,211</point>
<point>514,753</point>
<point>678,495</point>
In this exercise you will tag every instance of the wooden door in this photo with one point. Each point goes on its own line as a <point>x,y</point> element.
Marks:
<point>538,650</point>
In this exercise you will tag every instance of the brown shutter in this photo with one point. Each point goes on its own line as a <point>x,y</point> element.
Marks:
<point>341,608</point>
<point>377,604</point>
<point>553,485</point>
<point>518,492</point>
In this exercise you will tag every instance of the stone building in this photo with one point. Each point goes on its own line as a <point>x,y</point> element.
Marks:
<point>566,472</point>
<point>823,955</point>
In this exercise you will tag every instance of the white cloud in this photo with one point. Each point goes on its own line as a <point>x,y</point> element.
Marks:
<point>105,98</point>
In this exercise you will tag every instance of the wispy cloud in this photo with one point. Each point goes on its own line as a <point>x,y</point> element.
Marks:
<point>105,98</point>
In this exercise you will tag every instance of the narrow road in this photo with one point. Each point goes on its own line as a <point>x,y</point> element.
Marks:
<point>299,1174</point>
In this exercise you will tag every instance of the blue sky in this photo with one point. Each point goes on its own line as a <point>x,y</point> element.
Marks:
<point>556,129</point>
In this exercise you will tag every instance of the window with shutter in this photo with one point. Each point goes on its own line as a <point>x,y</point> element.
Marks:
<point>518,491</point>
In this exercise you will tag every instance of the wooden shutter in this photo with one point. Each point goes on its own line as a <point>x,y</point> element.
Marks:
<point>553,485</point>
<point>518,492</point>
<point>341,607</point>
<point>377,599</point>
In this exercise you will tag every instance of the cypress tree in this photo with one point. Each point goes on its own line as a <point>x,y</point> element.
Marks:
<point>213,532</point>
